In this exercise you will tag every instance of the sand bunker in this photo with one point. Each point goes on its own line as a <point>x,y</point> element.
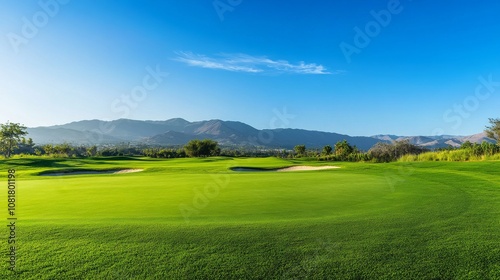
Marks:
<point>87,172</point>
<point>305,168</point>
<point>128,171</point>
<point>286,169</point>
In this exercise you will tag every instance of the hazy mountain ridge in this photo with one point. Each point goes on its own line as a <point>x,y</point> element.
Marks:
<point>440,141</point>
<point>228,133</point>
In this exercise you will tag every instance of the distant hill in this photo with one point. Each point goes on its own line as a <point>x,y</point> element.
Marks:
<point>433,142</point>
<point>54,135</point>
<point>291,137</point>
<point>178,131</point>
<point>476,138</point>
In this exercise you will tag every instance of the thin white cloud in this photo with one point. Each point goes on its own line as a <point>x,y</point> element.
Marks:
<point>250,64</point>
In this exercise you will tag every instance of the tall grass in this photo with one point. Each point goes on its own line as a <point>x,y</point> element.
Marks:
<point>449,155</point>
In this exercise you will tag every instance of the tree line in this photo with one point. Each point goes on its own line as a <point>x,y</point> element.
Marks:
<point>13,141</point>
<point>386,152</point>
<point>343,151</point>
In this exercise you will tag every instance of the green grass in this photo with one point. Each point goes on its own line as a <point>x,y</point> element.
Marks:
<point>419,220</point>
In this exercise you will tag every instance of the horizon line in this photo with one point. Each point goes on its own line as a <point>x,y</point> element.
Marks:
<point>206,120</point>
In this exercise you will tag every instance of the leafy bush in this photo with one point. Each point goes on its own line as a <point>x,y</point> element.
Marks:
<point>385,152</point>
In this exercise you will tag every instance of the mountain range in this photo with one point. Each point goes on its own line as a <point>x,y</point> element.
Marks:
<point>177,131</point>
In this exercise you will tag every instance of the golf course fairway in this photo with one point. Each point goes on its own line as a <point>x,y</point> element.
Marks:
<point>200,219</point>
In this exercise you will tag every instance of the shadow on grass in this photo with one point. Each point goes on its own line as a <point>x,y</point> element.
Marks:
<point>117,158</point>
<point>82,171</point>
<point>70,162</point>
<point>42,162</point>
<point>253,169</point>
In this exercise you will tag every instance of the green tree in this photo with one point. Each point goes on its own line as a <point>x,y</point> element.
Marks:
<point>466,145</point>
<point>493,130</point>
<point>91,151</point>
<point>11,135</point>
<point>343,149</point>
<point>27,146</point>
<point>192,148</point>
<point>202,148</point>
<point>300,150</point>
<point>63,149</point>
<point>327,149</point>
<point>48,149</point>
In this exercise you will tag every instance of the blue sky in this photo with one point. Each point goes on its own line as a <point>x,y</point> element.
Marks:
<point>355,67</point>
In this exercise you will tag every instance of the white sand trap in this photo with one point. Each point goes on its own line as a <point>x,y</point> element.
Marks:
<point>76,172</point>
<point>128,171</point>
<point>305,168</point>
<point>285,169</point>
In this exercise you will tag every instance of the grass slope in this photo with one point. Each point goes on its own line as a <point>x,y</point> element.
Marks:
<point>196,219</point>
